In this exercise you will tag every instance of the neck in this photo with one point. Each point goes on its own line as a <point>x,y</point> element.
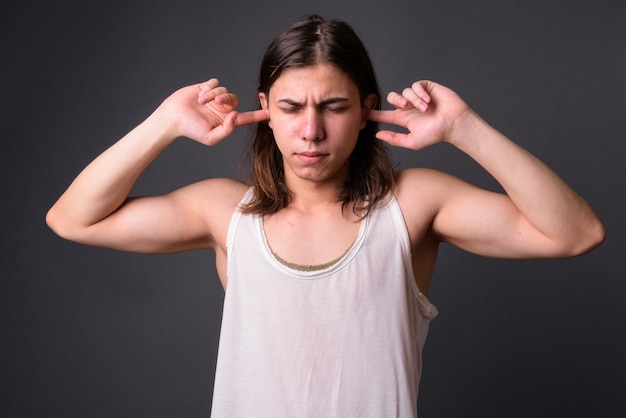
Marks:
<point>309,193</point>
<point>313,197</point>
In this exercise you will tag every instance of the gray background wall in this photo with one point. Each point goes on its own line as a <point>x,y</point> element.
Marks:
<point>89,332</point>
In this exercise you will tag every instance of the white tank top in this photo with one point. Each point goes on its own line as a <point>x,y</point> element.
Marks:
<point>344,341</point>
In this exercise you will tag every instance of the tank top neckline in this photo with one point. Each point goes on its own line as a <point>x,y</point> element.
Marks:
<point>322,270</point>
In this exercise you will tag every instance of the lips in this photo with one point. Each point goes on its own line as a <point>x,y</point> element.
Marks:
<point>311,157</point>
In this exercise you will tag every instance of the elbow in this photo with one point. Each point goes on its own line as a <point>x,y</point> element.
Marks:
<point>590,237</point>
<point>59,224</point>
<point>597,235</point>
<point>53,221</point>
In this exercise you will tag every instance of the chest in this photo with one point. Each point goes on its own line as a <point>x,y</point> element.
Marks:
<point>310,239</point>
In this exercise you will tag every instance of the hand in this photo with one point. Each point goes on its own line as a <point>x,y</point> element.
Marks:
<point>206,112</point>
<point>429,111</point>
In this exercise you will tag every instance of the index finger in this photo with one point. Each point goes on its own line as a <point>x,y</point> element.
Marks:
<point>382,116</point>
<point>248,118</point>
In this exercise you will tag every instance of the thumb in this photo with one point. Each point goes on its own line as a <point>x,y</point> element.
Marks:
<point>395,139</point>
<point>219,132</point>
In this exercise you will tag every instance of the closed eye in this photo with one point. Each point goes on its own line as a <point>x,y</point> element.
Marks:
<point>335,109</point>
<point>291,109</point>
<point>332,105</point>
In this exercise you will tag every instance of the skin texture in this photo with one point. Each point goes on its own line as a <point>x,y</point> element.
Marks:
<point>315,113</point>
<point>321,107</point>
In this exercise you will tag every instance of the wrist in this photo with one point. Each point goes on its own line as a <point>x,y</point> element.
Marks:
<point>467,130</point>
<point>159,129</point>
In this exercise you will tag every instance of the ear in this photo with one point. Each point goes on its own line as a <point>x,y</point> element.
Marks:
<point>369,103</point>
<point>265,106</point>
<point>263,100</point>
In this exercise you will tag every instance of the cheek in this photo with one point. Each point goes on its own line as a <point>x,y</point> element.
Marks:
<point>282,126</point>
<point>349,127</point>
<point>280,131</point>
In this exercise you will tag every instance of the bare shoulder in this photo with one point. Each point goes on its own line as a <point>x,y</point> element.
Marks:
<point>214,200</point>
<point>421,192</point>
<point>215,192</point>
<point>422,184</point>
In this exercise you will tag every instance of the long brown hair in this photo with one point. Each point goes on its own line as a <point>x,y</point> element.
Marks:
<point>304,43</point>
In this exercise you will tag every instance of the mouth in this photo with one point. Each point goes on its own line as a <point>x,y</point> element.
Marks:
<point>311,157</point>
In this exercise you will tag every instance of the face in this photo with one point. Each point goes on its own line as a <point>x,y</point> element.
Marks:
<point>316,114</point>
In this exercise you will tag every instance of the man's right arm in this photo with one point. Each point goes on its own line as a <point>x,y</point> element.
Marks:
<point>96,209</point>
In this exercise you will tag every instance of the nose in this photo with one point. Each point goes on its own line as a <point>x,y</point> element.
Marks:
<point>312,125</point>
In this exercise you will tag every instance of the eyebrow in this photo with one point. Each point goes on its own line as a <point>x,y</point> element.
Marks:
<point>326,102</point>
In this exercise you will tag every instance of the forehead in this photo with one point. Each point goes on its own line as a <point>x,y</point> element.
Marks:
<point>317,81</point>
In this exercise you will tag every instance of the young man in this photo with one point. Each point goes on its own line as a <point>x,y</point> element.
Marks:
<point>326,258</point>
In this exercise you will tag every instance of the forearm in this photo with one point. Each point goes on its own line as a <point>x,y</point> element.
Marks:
<point>539,194</point>
<point>104,185</point>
